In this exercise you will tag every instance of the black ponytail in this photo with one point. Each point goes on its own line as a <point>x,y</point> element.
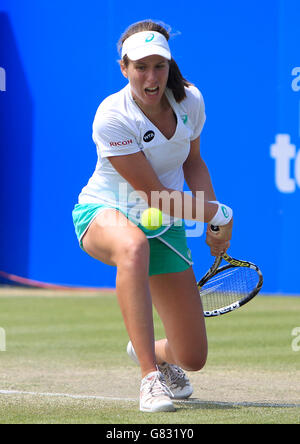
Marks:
<point>176,82</point>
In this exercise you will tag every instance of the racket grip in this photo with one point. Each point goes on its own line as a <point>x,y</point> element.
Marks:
<point>214,228</point>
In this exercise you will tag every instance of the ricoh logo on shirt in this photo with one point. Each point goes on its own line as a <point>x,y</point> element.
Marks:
<point>122,143</point>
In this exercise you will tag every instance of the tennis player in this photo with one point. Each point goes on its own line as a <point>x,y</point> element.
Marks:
<point>148,139</point>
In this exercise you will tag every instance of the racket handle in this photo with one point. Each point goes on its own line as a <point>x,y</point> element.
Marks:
<point>214,228</point>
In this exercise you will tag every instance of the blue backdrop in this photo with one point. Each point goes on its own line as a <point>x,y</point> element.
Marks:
<point>58,61</point>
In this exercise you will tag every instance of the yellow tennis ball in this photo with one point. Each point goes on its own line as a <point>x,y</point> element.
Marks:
<point>152,219</point>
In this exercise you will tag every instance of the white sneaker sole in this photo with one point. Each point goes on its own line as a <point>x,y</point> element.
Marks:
<point>183,394</point>
<point>161,407</point>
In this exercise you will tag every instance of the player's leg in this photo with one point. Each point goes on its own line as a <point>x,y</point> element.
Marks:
<point>176,298</point>
<point>112,239</point>
<point>124,245</point>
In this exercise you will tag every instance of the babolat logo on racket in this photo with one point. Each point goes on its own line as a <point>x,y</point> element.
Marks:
<point>148,136</point>
<point>238,263</point>
<point>223,310</point>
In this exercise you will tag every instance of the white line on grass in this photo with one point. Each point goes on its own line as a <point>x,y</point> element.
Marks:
<point>66,395</point>
<point>184,401</point>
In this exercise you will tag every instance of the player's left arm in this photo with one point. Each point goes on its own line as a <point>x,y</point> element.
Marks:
<point>198,178</point>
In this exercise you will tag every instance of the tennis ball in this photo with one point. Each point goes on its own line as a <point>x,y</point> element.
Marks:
<point>152,219</point>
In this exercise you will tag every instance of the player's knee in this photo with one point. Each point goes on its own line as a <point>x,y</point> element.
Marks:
<point>194,362</point>
<point>134,251</point>
<point>194,365</point>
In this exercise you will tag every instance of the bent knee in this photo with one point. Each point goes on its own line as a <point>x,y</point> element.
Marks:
<point>194,362</point>
<point>133,250</point>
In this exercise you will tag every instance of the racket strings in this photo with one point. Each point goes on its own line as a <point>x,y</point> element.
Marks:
<point>227,287</point>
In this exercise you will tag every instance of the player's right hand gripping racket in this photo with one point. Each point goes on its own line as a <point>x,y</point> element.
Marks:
<point>228,287</point>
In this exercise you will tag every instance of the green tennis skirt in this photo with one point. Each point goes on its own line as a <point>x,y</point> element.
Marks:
<point>169,252</point>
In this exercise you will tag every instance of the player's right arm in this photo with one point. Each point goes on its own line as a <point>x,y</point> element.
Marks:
<point>114,135</point>
<point>138,172</point>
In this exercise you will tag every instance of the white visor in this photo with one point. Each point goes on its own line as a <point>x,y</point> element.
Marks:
<point>144,44</point>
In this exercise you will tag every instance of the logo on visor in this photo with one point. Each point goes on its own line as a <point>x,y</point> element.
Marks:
<point>148,136</point>
<point>149,38</point>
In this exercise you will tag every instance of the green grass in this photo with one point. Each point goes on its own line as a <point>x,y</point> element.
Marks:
<point>38,411</point>
<point>75,344</point>
<point>258,334</point>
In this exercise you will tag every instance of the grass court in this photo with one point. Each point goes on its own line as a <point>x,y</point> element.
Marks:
<point>66,363</point>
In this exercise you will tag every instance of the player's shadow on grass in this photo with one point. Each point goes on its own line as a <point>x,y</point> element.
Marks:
<point>194,403</point>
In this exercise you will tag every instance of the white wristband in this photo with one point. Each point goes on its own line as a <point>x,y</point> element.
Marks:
<point>223,215</point>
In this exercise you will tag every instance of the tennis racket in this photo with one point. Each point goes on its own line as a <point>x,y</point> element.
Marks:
<point>224,288</point>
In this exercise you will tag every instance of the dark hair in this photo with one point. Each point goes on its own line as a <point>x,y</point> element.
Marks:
<point>176,82</point>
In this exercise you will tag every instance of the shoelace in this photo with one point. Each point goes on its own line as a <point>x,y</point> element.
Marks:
<point>158,387</point>
<point>172,373</point>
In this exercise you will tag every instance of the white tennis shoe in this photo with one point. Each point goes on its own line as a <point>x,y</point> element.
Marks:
<point>175,378</point>
<point>155,395</point>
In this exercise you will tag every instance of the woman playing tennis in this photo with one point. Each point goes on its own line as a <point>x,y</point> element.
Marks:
<point>148,140</point>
